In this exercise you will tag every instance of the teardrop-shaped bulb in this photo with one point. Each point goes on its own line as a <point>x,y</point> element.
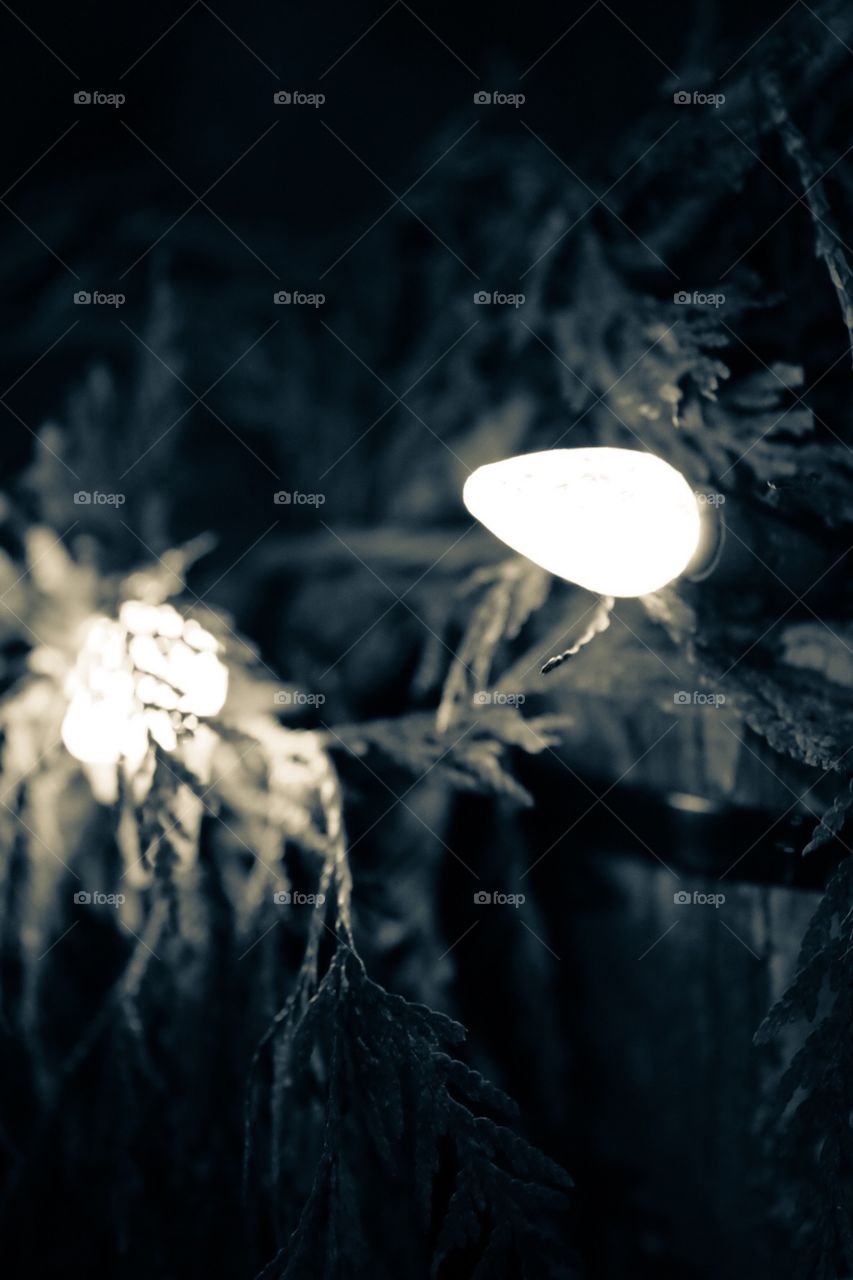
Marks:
<point>616,521</point>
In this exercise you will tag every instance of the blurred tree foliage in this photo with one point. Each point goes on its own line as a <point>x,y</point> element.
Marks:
<point>150,1053</point>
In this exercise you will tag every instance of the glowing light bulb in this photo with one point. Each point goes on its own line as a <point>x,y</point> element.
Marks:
<point>101,730</point>
<point>616,521</point>
<point>140,678</point>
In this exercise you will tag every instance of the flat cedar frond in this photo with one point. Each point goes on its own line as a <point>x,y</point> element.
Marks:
<point>406,1131</point>
<point>832,821</point>
<point>516,590</point>
<point>471,754</point>
<point>823,941</point>
<point>797,711</point>
<point>814,1136</point>
<point>827,242</point>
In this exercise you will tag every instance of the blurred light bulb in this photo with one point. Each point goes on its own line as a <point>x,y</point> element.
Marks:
<point>100,730</point>
<point>140,678</point>
<point>616,521</point>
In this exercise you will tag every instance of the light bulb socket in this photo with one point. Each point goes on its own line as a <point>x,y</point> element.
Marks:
<point>762,555</point>
<point>712,539</point>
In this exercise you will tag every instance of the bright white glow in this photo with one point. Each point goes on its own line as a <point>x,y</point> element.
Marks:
<point>103,729</point>
<point>146,676</point>
<point>616,521</point>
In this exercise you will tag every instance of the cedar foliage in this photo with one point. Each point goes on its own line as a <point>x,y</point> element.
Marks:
<point>359,1104</point>
<point>357,1098</point>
